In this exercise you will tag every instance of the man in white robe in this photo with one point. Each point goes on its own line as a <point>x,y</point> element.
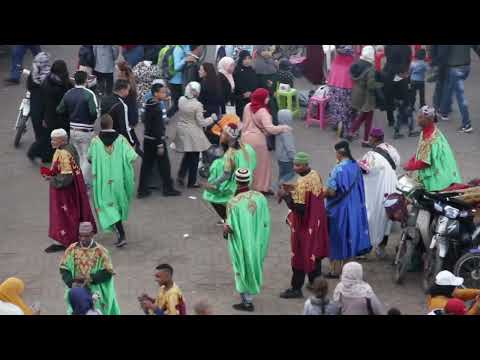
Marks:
<point>379,166</point>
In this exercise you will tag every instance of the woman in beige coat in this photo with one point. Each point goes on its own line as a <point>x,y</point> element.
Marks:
<point>190,138</point>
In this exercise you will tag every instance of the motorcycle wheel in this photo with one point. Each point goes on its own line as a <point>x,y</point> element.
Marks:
<point>21,129</point>
<point>403,258</point>
<point>433,265</point>
<point>468,267</point>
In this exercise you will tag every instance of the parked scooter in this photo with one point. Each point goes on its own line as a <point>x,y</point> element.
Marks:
<point>23,115</point>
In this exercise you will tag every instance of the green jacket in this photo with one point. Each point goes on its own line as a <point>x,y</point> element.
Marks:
<point>363,91</point>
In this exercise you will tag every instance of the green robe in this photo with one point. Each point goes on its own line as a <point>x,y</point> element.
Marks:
<point>233,159</point>
<point>113,180</point>
<point>443,170</point>
<point>107,304</point>
<point>249,218</point>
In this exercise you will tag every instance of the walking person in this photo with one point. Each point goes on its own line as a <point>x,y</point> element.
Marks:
<point>247,230</point>
<point>190,138</point>
<point>181,55</point>
<point>18,53</point>
<point>346,211</point>
<point>354,296</point>
<point>418,70</point>
<point>40,69</point>
<point>79,105</point>
<point>246,81</point>
<point>113,175</point>
<point>340,84</point>
<point>211,95</point>
<point>54,87</point>
<point>88,264</point>
<point>285,149</point>
<point>226,67</point>
<point>69,204</point>
<point>308,224</point>
<point>265,65</point>
<point>363,93</point>
<point>105,57</point>
<point>257,126</point>
<point>458,69</point>
<point>155,144</point>
<point>379,166</point>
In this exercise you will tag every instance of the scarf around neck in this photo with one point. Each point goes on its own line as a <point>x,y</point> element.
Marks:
<point>223,65</point>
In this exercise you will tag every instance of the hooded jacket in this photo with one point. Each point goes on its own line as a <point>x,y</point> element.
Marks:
<point>154,121</point>
<point>313,306</point>
<point>363,91</point>
<point>285,142</point>
<point>52,92</point>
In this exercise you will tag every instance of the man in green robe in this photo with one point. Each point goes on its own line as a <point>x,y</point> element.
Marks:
<point>221,186</point>
<point>248,232</point>
<point>434,160</point>
<point>112,156</point>
<point>87,264</point>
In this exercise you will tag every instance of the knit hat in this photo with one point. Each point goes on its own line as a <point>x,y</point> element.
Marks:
<point>85,228</point>
<point>242,175</point>
<point>368,54</point>
<point>57,133</point>
<point>377,133</point>
<point>455,307</point>
<point>301,158</point>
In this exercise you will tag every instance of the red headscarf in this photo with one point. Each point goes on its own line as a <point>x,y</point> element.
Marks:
<point>257,100</point>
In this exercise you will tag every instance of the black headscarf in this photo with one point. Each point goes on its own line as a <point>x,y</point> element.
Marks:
<point>244,76</point>
<point>343,147</point>
<point>241,56</point>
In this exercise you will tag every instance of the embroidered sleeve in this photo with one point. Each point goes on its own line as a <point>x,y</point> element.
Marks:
<point>62,159</point>
<point>424,152</point>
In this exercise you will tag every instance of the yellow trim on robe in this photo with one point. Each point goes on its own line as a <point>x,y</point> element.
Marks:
<point>64,159</point>
<point>308,183</point>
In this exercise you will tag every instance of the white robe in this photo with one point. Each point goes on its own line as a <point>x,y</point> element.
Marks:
<point>7,308</point>
<point>380,180</point>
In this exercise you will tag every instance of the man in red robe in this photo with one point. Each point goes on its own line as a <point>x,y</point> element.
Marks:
<point>308,223</point>
<point>69,205</point>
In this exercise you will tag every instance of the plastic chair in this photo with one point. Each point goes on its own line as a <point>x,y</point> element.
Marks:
<point>316,112</point>
<point>289,100</point>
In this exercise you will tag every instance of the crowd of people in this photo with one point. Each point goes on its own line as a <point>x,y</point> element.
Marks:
<point>230,109</point>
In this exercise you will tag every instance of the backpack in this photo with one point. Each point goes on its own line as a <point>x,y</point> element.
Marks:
<point>86,57</point>
<point>165,62</point>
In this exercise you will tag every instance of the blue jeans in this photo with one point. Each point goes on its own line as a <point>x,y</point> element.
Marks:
<point>134,55</point>
<point>455,84</point>
<point>17,59</point>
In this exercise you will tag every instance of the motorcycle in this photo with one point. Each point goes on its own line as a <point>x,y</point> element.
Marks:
<point>415,237</point>
<point>23,115</point>
<point>453,236</point>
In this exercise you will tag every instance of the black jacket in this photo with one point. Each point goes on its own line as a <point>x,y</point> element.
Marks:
<point>113,106</point>
<point>226,89</point>
<point>154,122</point>
<point>246,80</point>
<point>398,58</point>
<point>53,90</point>
<point>79,105</point>
<point>211,99</point>
<point>36,101</point>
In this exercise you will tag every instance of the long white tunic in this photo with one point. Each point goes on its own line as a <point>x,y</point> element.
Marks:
<point>380,181</point>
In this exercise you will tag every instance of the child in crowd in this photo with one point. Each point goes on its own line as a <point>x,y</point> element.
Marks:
<point>418,70</point>
<point>319,304</point>
<point>285,148</point>
<point>284,74</point>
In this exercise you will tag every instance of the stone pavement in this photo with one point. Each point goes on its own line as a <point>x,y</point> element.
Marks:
<point>157,225</point>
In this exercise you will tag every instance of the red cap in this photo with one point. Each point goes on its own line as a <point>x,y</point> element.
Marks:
<point>455,307</point>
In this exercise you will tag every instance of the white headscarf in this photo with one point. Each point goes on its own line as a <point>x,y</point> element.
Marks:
<point>40,67</point>
<point>59,133</point>
<point>222,67</point>
<point>351,284</point>
<point>191,88</point>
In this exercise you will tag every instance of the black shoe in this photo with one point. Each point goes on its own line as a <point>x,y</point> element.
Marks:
<point>154,187</point>
<point>121,241</point>
<point>244,307</point>
<point>413,133</point>
<point>143,194</point>
<point>12,81</point>
<point>291,294</point>
<point>172,192</point>
<point>181,182</point>
<point>397,136</point>
<point>54,248</point>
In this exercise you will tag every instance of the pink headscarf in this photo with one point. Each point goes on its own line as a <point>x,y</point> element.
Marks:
<point>223,66</point>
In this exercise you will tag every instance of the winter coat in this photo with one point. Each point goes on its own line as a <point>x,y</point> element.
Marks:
<point>313,306</point>
<point>246,80</point>
<point>105,57</point>
<point>190,136</point>
<point>398,60</point>
<point>53,90</point>
<point>264,66</point>
<point>212,101</point>
<point>154,121</point>
<point>363,91</point>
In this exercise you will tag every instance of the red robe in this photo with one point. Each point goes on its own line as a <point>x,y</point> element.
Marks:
<point>309,239</point>
<point>69,205</point>
<point>313,65</point>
